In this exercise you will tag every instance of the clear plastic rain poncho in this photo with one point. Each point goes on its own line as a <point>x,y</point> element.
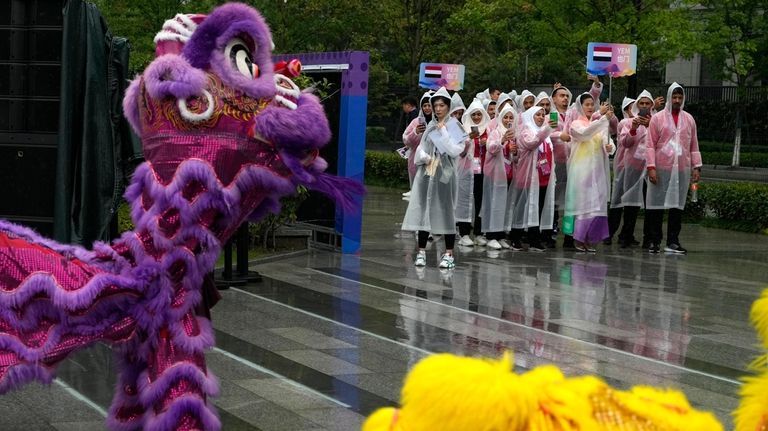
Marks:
<point>467,166</point>
<point>674,151</point>
<point>619,172</point>
<point>635,153</point>
<point>523,201</point>
<point>586,192</point>
<point>456,104</point>
<point>494,207</point>
<point>434,190</point>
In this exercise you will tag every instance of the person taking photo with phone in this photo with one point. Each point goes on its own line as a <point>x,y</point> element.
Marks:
<point>413,133</point>
<point>433,196</point>
<point>469,175</point>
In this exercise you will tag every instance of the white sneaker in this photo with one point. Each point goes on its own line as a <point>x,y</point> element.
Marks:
<point>466,241</point>
<point>421,259</point>
<point>494,245</point>
<point>407,194</point>
<point>480,240</point>
<point>505,244</point>
<point>446,262</point>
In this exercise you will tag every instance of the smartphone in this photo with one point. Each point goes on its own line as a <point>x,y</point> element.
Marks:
<point>553,116</point>
<point>644,112</point>
<point>422,121</point>
<point>475,130</point>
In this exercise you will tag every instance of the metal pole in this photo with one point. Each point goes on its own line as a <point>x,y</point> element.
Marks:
<point>610,89</point>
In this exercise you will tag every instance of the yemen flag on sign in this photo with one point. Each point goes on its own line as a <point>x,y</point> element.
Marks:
<point>433,72</point>
<point>602,53</point>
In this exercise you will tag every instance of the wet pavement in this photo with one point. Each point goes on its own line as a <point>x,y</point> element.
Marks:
<point>327,338</point>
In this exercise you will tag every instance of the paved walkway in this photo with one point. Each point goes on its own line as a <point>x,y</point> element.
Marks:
<point>326,338</point>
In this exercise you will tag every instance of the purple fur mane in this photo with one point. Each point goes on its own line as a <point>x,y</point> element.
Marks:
<point>221,148</point>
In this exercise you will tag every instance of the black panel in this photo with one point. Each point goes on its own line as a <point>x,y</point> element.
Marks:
<point>30,55</point>
<point>318,208</point>
<point>29,173</point>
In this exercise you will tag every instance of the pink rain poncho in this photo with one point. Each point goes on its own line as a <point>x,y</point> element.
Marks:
<point>433,194</point>
<point>586,196</point>
<point>533,144</point>
<point>634,147</point>
<point>673,150</point>
<point>617,191</point>
<point>470,164</point>
<point>492,212</point>
<point>411,139</point>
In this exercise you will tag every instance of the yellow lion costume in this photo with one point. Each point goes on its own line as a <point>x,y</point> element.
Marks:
<point>752,414</point>
<point>451,393</point>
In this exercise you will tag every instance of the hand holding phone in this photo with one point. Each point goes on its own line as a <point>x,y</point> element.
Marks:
<point>553,118</point>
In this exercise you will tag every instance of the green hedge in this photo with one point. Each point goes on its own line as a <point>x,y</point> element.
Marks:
<point>747,160</point>
<point>727,147</point>
<point>386,168</point>
<point>736,206</point>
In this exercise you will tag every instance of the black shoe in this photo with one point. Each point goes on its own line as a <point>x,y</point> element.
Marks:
<point>550,243</point>
<point>635,242</point>
<point>675,249</point>
<point>516,246</point>
<point>653,248</point>
<point>568,243</point>
<point>625,244</point>
<point>537,246</point>
<point>608,241</point>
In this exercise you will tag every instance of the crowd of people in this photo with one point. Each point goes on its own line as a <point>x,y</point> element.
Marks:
<point>513,171</point>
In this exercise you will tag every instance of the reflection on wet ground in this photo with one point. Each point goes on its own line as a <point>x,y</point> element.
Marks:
<point>326,338</point>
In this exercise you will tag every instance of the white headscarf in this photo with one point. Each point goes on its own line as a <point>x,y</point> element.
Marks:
<point>529,122</point>
<point>466,119</point>
<point>424,96</point>
<point>645,94</point>
<point>672,87</point>
<point>456,104</point>
<point>500,117</point>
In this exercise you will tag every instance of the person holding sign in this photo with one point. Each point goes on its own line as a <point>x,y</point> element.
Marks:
<point>433,196</point>
<point>532,192</point>
<point>469,174</point>
<point>413,133</point>
<point>586,195</point>
<point>674,162</point>
<point>492,212</point>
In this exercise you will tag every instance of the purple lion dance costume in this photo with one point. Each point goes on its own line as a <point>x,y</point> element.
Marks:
<point>224,138</point>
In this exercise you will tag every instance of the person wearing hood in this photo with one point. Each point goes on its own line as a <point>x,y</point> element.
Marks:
<point>673,163</point>
<point>433,196</point>
<point>524,101</point>
<point>490,107</point>
<point>617,190</point>
<point>629,195</point>
<point>494,93</point>
<point>543,100</point>
<point>562,99</point>
<point>469,174</point>
<point>531,201</point>
<point>413,133</point>
<point>457,107</point>
<point>586,195</point>
<point>494,207</point>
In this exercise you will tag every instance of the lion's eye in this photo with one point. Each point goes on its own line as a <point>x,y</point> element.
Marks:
<point>240,57</point>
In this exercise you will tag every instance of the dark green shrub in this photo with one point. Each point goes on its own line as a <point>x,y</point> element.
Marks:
<point>738,206</point>
<point>386,168</point>
<point>746,160</point>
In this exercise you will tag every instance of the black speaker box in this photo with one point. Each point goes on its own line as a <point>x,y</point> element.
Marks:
<point>30,69</point>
